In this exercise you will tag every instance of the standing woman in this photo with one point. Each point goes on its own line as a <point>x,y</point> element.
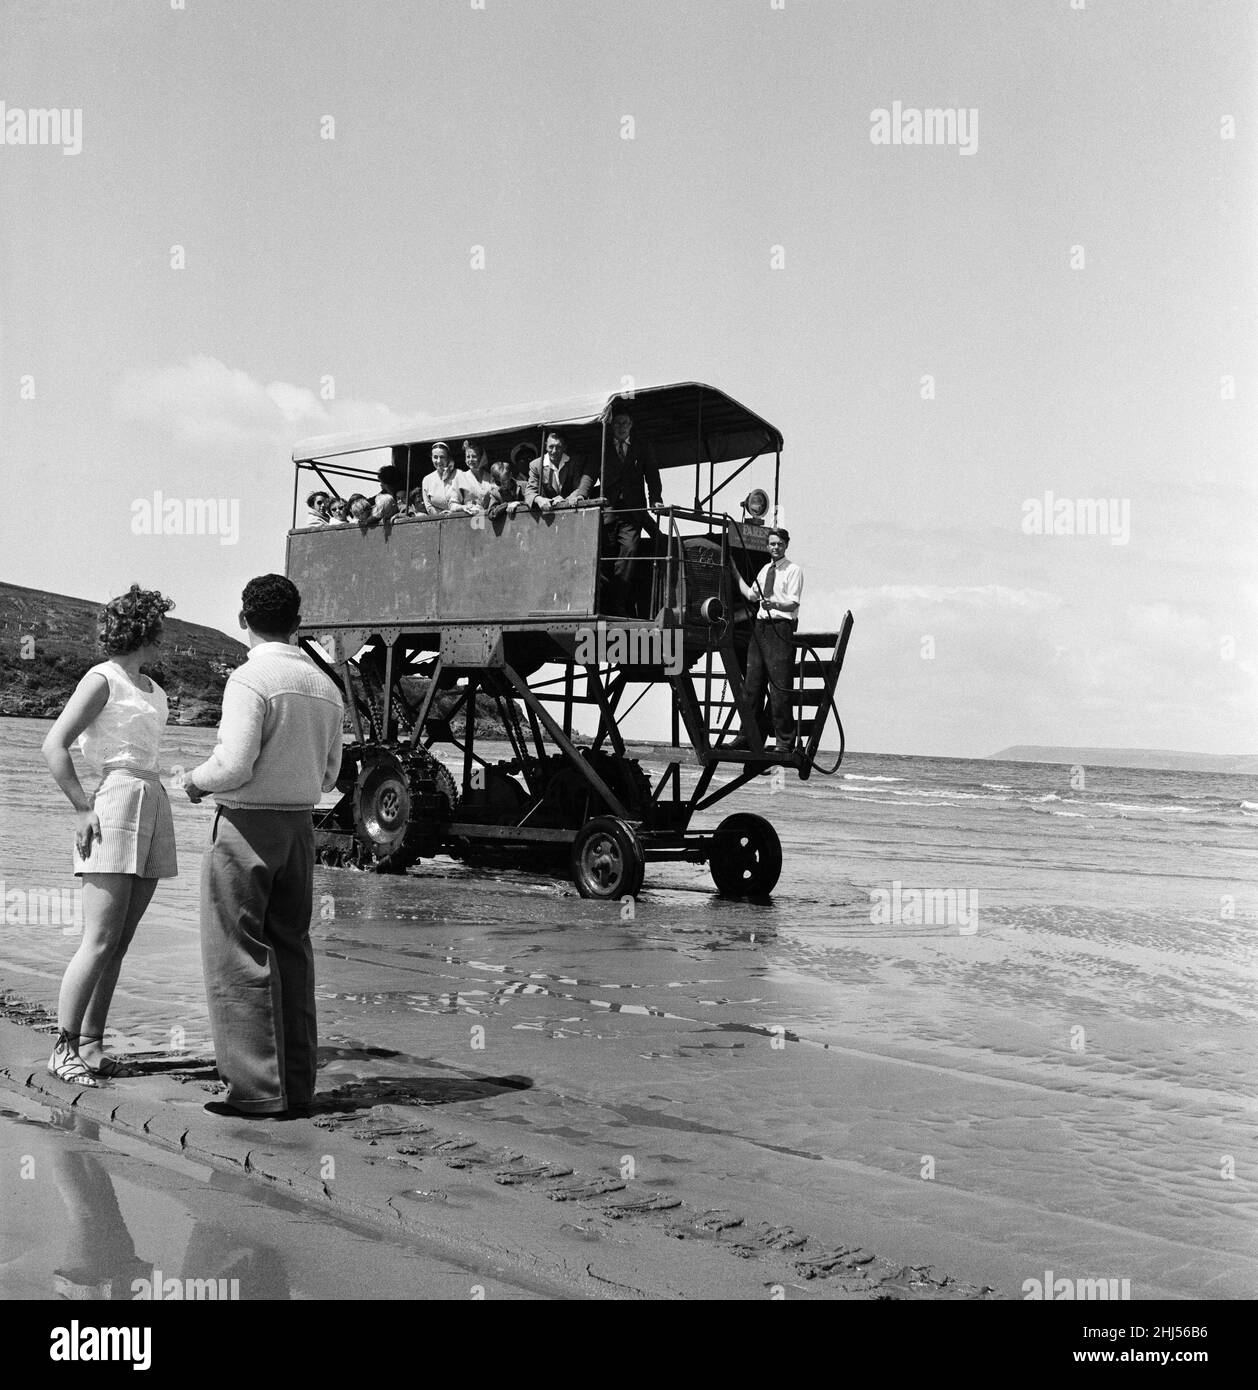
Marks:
<point>124,839</point>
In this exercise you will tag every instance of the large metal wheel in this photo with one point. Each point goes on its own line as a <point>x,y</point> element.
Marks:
<point>382,808</point>
<point>607,859</point>
<point>746,857</point>
<point>399,797</point>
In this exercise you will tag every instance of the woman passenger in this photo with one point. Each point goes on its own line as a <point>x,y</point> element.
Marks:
<point>446,490</point>
<point>476,465</point>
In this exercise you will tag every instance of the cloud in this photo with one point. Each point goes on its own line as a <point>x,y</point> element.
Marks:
<point>980,597</point>
<point>206,405</point>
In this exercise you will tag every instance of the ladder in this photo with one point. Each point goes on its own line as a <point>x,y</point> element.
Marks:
<point>817,668</point>
<point>711,713</point>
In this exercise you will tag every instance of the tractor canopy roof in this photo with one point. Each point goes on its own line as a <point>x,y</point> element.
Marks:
<point>687,423</point>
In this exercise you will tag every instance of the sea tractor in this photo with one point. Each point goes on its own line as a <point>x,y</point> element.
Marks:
<point>503,615</point>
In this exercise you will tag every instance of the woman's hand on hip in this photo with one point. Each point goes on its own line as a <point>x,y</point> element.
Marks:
<point>86,828</point>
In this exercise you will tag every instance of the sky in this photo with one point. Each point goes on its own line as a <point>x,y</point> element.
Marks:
<point>1062,303</point>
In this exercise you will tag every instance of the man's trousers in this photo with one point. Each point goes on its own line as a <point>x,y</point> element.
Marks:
<point>622,533</point>
<point>257,881</point>
<point>771,663</point>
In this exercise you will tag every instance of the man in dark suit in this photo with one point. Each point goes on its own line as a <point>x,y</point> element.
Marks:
<point>629,475</point>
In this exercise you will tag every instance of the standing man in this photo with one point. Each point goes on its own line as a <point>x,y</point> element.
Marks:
<point>553,481</point>
<point>771,652</point>
<point>279,749</point>
<point>629,474</point>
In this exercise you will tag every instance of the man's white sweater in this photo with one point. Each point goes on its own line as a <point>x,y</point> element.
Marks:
<point>279,740</point>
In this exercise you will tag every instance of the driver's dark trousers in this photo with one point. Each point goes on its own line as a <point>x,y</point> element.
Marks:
<point>622,533</point>
<point>771,663</point>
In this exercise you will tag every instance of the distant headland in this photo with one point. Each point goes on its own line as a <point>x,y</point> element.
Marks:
<point>1161,758</point>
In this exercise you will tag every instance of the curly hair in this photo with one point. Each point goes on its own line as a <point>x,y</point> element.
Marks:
<point>271,604</point>
<point>132,620</point>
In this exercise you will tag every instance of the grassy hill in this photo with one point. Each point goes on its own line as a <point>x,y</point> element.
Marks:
<point>59,633</point>
<point>47,642</point>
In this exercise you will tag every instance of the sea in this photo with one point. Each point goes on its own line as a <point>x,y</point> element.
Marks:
<point>1038,977</point>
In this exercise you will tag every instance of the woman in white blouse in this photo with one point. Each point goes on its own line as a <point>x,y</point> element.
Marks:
<point>124,839</point>
<point>448,489</point>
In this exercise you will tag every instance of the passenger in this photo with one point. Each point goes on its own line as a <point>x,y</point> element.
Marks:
<point>415,503</point>
<point>556,480</point>
<point>476,465</point>
<point>628,474</point>
<point>338,512</point>
<point>360,509</point>
<point>504,491</point>
<point>446,490</point>
<point>521,457</point>
<point>317,505</point>
<point>385,503</point>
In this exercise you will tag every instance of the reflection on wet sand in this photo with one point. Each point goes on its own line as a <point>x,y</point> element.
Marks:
<point>100,1263</point>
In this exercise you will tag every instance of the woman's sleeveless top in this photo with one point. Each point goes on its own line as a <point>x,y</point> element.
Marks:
<point>127,733</point>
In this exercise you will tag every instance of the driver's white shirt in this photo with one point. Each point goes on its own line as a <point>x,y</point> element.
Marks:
<point>788,583</point>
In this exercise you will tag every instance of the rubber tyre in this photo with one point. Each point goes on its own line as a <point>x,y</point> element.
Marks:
<point>607,860</point>
<point>746,857</point>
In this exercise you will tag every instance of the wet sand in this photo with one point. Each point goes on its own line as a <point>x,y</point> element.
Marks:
<point>785,1096</point>
<point>97,1215</point>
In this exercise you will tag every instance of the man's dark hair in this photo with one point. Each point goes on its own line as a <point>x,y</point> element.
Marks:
<point>271,605</point>
<point>779,531</point>
<point>556,434</point>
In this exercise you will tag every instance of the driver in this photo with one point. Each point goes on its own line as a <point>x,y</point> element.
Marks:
<point>776,593</point>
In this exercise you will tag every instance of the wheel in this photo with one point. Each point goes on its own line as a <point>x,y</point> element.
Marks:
<point>607,859</point>
<point>382,804</point>
<point>400,798</point>
<point>746,857</point>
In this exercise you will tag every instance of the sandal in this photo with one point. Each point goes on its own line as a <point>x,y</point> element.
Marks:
<point>107,1066</point>
<point>66,1064</point>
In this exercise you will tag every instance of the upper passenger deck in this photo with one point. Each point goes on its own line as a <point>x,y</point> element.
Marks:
<point>529,568</point>
<point>689,424</point>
